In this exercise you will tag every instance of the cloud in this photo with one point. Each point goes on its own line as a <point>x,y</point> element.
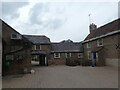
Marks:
<point>10,9</point>
<point>58,20</point>
<point>47,16</point>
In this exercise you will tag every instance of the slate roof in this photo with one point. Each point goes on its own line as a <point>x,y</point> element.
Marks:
<point>38,39</point>
<point>67,46</point>
<point>110,27</point>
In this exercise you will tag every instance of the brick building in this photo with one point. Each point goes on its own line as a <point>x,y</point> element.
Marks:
<point>101,46</point>
<point>48,53</point>
<point>15,48</point>
<point>66,49</point>
<point>41,48</point>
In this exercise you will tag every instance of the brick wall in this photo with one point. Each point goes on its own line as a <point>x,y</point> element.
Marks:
<point>109,50</point>
<point>9,45</point>
<point>62,59</point>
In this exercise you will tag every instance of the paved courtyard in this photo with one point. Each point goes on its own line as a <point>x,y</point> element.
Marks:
<point>65,77</point>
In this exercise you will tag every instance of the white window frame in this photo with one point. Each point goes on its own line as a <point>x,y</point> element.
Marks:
<point>9,57</point>
<point>40,47</point>
<point>80,55</point>
<point>88,45</point>
<point>35,47</point>
<point>96,56</point>
<point>89,55</point>
<point>55,56</point>
<point>98,42</point>
<point>66,55</point>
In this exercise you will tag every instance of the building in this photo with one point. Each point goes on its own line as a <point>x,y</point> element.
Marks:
<point>48,53</point>
<point>41,48</point>
<point>66,51</point>
<point>15,48</point>
<point>102,45</point>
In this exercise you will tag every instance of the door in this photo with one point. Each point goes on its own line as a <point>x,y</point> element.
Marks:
<point>94,58</point>
<point>42,60</point>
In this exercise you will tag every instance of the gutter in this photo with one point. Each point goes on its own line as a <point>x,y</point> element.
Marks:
<point>111,33</point>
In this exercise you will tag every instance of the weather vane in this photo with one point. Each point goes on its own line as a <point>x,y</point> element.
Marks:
<point>89,18</point>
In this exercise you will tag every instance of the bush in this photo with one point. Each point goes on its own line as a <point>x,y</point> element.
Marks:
<point>70,62</point>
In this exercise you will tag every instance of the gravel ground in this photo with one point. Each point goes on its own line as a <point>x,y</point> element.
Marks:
<point>65,77</point>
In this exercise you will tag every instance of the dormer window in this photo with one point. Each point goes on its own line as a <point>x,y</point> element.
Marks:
<point>100,42</point>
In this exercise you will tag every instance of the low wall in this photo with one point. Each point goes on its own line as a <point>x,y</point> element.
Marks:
<point>56,62</point>
<point>112,62</point>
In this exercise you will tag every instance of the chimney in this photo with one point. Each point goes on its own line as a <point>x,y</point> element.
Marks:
<point>92,27</point>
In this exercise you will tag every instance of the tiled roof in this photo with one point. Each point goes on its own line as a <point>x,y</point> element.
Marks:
<point>67,46</point>
<point>38,39</point>
<point>110,27</point>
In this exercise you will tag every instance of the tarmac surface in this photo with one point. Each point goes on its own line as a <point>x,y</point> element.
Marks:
<point>65,77</point>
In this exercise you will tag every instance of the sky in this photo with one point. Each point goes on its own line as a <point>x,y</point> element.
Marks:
<point>58,19</point>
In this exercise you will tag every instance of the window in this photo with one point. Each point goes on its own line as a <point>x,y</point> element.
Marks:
<point>13,35</point>
<point>68,55</point>
<point>56,55</point>
<point>19,57</point>
<point>40,47</point>
<point>88,45</point>
<point>9,57</point>
<point>100,42</point>
<point>96,56</point>
<point>34,58</point>
<point>80,55</point>
<point>16,36</point>
<point>34,47</point>
<point>89,55</point>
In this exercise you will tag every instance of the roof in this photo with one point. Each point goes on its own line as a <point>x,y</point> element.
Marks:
<point>7,25</point>
<point>108,28</point>
<point>67,46</point>
<point>38,39</point>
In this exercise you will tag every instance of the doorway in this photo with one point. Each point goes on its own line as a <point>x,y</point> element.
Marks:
<point>94,58</point>
<point>42,60</point>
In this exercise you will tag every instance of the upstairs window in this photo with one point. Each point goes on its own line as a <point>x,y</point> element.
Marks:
<point>16,36</point>
<point>13,35</point>
<point>100,42</point>
<point>56,55</point>
<point>38,47</point>
<point>34,47</point>
<point>88,45</point>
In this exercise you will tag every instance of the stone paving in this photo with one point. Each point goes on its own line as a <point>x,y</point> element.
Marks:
<point>65,77</point>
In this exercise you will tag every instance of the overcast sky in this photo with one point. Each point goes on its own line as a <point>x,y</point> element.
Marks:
<point>58,20</point>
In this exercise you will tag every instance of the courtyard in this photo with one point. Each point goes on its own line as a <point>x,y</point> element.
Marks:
<point>62,76</point>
